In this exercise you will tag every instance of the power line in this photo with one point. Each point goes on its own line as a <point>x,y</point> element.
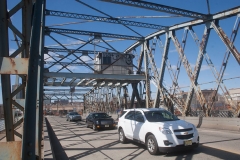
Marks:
<point>212,81</point>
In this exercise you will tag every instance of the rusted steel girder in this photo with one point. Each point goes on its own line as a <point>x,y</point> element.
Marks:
<point>224,65</point>
<point>191,75</point>
<point>218,16</point>
<point>175,81</point>
<point>147,77</point>
<point>159,7</point>
<point>161,75</point>
<point>135,94</point>
<point>202,51</point>
<point>226,41</point>
<point>134,85</point>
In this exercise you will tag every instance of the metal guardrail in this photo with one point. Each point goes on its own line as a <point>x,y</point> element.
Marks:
<point>2,125</point>
<point>220,113</point>
<point>2,122</point>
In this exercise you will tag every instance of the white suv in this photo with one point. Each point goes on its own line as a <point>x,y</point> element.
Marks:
<point>158,129</point>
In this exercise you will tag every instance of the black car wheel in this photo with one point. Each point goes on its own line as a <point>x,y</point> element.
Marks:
<point>94,127</point>
<point>87,124</point>
<point>152,145</point>
<point>122,137</point>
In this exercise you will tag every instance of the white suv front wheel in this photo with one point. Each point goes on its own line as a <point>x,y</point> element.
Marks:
<point>152,145</point>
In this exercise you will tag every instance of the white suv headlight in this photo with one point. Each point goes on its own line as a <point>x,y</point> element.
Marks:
<point>165,130</point>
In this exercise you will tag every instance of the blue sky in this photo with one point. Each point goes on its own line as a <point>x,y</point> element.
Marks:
<point>216,49</point>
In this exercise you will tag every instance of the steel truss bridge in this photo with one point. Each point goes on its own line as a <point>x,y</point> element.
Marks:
<point>44,67</point>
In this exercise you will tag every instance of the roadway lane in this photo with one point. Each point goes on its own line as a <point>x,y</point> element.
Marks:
<point>80,142</point>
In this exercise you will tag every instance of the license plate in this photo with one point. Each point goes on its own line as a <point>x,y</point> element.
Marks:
<point>106,125</point>
<point>188,143</point>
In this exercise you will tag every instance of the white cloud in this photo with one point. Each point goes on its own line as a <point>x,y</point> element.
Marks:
<point>203,67</point>
<point>85,58</point>
<point>174,67</point>
<point>73,68</point>
<point>172,50</point>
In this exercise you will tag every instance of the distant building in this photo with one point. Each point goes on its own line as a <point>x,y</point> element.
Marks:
<point>235,94</point>
<point>207,94</point>
<point>62,101</point>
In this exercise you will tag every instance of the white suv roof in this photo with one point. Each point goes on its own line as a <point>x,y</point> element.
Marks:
<point>144,109</point>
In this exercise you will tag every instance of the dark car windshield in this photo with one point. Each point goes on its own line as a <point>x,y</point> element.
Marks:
<point>160,116</point>
<point>100,115</point>
<point>73,113</point>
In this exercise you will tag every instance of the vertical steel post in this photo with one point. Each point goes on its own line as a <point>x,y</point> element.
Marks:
<point>136,94</point>
<point>5,79</point>
<point>41,69</point>
<point>147,78</point>
<point>125,96</point>
<point>134,85</point>
<point>119,94</point>
<point>29,131</point>
<point>26,31</point>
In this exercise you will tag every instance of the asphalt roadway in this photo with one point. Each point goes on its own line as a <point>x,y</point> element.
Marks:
<point>72,140</point>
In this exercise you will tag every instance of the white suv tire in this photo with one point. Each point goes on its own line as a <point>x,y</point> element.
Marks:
<point>152,145</point>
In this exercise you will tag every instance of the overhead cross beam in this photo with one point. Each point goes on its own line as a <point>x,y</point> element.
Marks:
<point>89,33</point>
<point>70,50</point>
<point>103,19</point>
<point>160,8</point>
<point>95,76</point>
<point>63,94</point>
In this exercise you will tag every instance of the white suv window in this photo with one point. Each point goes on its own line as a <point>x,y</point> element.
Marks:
<point>130,115</point>
<point>138,116</point>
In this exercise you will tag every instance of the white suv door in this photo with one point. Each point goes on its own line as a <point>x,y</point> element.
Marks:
<point>127,122</point>
<point>137,125</point>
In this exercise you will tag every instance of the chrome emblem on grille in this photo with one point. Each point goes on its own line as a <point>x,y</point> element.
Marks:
<point>185,133</point>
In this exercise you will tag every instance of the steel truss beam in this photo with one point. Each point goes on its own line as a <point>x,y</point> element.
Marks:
<point>30,117</point>
<point>95,76</point>
<point>63,90</point>
<point>84,52</point>
<point>103,19</point>
<point>227,41</point>
<point>191,75</point>
<point>218,16</point>
<point>89,33</point>
<point>202,51</point>
<point>160,8</point>
<point>5,79</point>
<point>63,94</point>
<point>147,77</point>
<point>161,75</point>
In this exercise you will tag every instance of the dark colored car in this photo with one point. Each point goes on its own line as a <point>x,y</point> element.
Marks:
<point>100,120</point>
<point>73,116</point>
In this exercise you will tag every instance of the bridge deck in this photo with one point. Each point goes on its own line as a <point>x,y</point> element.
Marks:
<point>72,140</point>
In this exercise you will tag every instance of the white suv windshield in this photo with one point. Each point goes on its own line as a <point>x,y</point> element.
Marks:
<point>160,116</point>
